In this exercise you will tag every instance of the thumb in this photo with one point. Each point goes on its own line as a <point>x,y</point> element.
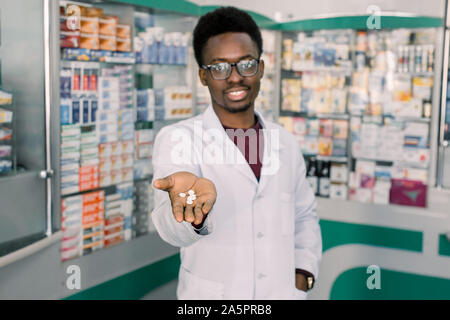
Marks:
<point>164,184</point>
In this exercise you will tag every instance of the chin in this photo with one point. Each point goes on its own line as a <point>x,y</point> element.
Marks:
<point>238,108</point>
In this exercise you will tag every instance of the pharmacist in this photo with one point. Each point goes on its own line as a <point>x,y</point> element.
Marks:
<point>243,213</point>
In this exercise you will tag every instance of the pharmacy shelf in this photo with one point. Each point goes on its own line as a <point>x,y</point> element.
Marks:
<point>327,158</point>
<point>336,69</point>
<point>335,116</point>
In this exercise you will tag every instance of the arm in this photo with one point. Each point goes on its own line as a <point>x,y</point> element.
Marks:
<point>176,231</point>
<point>308,239</point>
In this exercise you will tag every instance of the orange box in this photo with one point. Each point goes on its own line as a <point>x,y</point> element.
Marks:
<point>108,26</point>
<point>92,218</point>
<point>93,234</point>
<point>114,240</point>
<point>89,41</point>
<point>113,230</point>
<point>89,185</point>
<point>98,196</point>
<point>113,220</point>
<point>90,177</point>
<point>89,25</point>
<point>88,170</point>
<point>123,31</point>
<point>107,43</point>
<point>123,45</point>
<point>94,12</point>
<point>96,226</point>
<point>94,207</point>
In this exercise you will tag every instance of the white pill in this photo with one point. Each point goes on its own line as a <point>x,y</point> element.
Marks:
<point>183,195</point>
<point>191,192</point>
<point>189,201</point>
<point>193,197</point>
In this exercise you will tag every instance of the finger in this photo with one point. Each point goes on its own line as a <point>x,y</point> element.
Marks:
<point>164,183</point>
<point>178,209</point>
<point>207,206</point>
<point>198,213</point>
<point>189,213</point>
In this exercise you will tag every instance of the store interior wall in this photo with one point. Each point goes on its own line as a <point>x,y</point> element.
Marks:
<point>296,10</point>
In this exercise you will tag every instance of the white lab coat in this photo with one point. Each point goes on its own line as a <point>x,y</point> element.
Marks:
<point>257,234</point>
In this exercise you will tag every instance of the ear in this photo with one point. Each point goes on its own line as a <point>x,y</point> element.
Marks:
<point>202,75</point>
<point>261,68</point>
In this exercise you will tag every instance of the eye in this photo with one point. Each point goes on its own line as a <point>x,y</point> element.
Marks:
<point>219,67</point>
<point>247,64</point>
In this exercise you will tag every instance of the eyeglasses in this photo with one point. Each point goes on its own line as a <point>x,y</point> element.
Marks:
<point>222,70</point>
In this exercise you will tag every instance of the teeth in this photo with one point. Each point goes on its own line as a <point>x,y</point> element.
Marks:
<point>236,93</point>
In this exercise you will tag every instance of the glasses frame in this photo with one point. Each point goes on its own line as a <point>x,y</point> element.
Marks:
<point>233,64</point>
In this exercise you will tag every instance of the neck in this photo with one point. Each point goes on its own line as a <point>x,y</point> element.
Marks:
<point>239,120</point>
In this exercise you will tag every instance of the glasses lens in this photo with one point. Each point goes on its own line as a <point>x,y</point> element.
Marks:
<point>220,70</point>
<point>247,68</point>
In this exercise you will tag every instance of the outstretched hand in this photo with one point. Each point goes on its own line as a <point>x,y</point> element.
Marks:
<point>182,182</point>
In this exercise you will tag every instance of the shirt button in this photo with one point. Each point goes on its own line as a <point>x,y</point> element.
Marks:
<point>260,235</point>
<point>261,275</point>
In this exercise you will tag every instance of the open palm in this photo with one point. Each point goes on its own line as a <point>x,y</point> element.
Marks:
<point>182,182</point>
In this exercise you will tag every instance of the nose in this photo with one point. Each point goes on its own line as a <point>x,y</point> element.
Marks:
<point>234,77</point>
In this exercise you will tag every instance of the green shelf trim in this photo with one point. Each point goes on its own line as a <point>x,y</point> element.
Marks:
<point>135,284</point>
<point>359,23</point>
<point>336,233</point>
<point>444,245</point>
<point>394,285</point>
<point>178,6</point>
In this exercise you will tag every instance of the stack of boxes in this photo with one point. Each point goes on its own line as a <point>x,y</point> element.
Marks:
<point>118,214</point>
<point>143,151</point>
<point>82,221</point>
<point>156,46</point>
<point>173,102</point>
<point>70,158</point>
<point>143,206</point>
<point>323,137</point>
<point>87,34</point>
<point>145,105</point>
<point>6,132</point>
<point>89,160</point>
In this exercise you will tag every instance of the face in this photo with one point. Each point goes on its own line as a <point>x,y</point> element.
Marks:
<point>237,93</point>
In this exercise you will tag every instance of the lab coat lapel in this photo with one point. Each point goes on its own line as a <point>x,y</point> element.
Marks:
<point>211,121</point>
<point>273,146</point>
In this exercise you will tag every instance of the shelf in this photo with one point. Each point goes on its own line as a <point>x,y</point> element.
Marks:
<point>327,158</point>
<point>336,116</point>
<point>319,69</point>
<point>379,119</point>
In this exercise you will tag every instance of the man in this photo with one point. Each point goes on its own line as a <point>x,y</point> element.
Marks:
<point>235,201</point>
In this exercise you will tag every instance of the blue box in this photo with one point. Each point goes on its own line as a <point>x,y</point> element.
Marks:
<point>75,111</point>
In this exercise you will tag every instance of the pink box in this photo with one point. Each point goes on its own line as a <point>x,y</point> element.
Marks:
<point>408,192</point>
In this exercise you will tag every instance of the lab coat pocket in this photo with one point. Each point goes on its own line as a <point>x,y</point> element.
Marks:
<point>287,213</point>
<point>193,287</point>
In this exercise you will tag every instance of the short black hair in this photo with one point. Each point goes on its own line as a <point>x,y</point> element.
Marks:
<point>222,20</point>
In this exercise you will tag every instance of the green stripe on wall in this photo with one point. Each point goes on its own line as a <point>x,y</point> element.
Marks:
<point>359,23</point>
<point>394,285</point>
<point>179,6</point>
<point>336,233</point>
<point>133,285</point>
<point>444,246</point>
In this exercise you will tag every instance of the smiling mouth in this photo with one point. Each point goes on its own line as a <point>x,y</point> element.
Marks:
<point>237,95</point>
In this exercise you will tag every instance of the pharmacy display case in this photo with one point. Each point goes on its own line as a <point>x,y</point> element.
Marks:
<point>444,121</point>
<point>363,105</point>
<point>125,72</point>
<point>25,126</point>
